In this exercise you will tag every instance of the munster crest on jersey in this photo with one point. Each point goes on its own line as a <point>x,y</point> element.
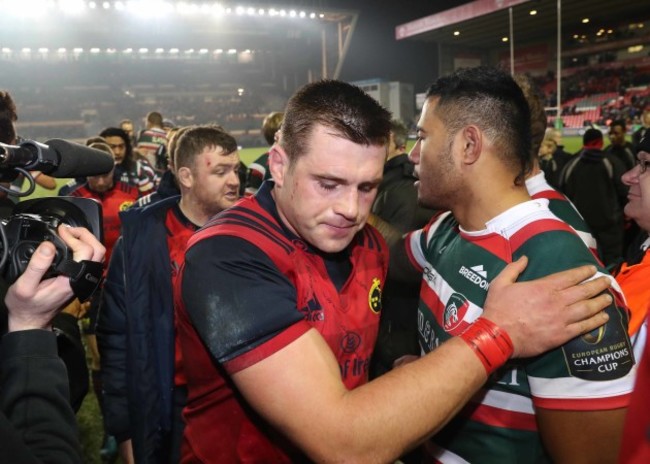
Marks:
<point>374,296</point>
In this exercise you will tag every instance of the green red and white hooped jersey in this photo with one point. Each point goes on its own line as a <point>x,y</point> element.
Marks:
<point>592,372</point>
<point>562,207</point>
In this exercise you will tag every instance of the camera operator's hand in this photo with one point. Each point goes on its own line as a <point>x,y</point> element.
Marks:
<point>32,302</point>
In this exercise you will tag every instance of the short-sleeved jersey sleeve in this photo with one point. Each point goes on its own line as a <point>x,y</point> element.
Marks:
<point>593,371</point>
<point>241,305</point>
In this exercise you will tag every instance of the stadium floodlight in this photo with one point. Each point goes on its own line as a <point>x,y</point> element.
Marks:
<point>43,50</point>
<point>159,51</point>
<point>273,12</point>
<point>504,39</point>
<point>78,50</point>
<point>585,20</point>
<point>143,51</point>
<point>111,51</point>
<point>95,50</point>
<point>218,51</point>
<point>532,12</point>
<point>250,11</point>
<point>62,50</point>
<point>261,12</point>
<point>239,10</point>
<point>292,13</point>
<point>6,50</point>
<point>106,5</point>
<point>26,50</point>
<point>203,51</point>
<point>92,5</point>
<point>312,15</point>
<point>189,51</point>
<point>232,51</point>
<point>127,51</point>
<point>456,33</point>
<point>302,14</point>
<point>283,13</point>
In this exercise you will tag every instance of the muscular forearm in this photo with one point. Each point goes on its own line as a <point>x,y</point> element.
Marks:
<point>373,423</point>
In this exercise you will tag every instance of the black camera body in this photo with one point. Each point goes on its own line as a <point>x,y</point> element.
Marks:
<point>37,220</point>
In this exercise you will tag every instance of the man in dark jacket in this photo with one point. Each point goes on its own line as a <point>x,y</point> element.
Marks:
<point>619,147</point>
<point>144,387</point>
<point>592,181</point>
<point>397,204</point>
<point>37,423</point>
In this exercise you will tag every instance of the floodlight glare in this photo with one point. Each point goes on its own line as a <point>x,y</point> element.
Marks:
<point>203,51</point>
<point>160,50</point>
<point>143,50</point>
<point>111,51</point>
<point>312,15</point>
<point>106,5</point>
<point>260,12</point>
<point>119,6</point>
<point>292,13</point>
<point>26,50</point>
<point>43,50</point>
<point>92,5</point>
<point>250,11</point>
<point>94,50</point>
<point>189,51</point>
<point>218,51</point>
<point>232,51</point>
<point>72,7</point>
<point>302,14</point>
<point>239,10</point>
<point>62,50</point>
<point>78,50</point>
<point>272,12</point>
<point>128,51</point>
<point>283,13</point>
<point>174,51</point>
<point>6,50</point>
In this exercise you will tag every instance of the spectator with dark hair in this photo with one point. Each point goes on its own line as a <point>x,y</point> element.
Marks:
<point>142,371</point>
<point>619,147</point>
<point>397,204</point>
<point>472,153</point>
<point>295,274</point>
<point>128,169</point>
<point>37,424</point>
<point>592,181</point>
<point>642,131</point>
<point>258,171</point>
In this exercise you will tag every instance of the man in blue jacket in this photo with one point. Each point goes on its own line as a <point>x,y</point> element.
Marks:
<point>143,382</point>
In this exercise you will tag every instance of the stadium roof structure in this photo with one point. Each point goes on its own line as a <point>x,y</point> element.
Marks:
<point>484,23</point>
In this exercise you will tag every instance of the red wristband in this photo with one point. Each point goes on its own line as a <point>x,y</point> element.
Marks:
<point>491,344</point>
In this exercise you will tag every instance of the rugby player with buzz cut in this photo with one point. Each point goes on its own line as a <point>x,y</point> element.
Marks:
<point>472,155</point>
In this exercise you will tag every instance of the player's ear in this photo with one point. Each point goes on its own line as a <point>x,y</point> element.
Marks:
<point>184,176</point>
<point>278,163</point>
<point>472,144</point>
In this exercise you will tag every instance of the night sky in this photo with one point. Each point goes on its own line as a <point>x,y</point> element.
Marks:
<point>374,52</point>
